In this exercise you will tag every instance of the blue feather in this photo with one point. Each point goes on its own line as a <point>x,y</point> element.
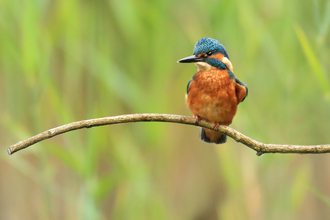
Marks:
<point>206,44</point>
<point>188,86</point>
<point>242,84</point>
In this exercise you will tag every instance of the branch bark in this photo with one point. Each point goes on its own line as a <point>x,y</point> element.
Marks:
<point>259,147</point>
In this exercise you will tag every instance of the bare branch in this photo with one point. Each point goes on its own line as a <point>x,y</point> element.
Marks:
<point>260,148</point>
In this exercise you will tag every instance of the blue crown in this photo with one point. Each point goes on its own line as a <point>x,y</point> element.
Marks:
<point>206,44</point>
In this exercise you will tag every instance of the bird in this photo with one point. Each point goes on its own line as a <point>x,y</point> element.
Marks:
<point>213,92</point>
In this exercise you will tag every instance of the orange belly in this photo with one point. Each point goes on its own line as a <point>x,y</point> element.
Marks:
<point>212,96</point>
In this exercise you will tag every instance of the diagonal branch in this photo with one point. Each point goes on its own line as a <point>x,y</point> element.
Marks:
<point>259,147</point>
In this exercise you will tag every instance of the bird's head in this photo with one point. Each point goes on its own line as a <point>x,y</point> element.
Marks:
<point>209,53</point>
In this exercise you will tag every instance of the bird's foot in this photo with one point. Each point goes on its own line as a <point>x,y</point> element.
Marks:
<point>216,126</point>
<point>198,118</point>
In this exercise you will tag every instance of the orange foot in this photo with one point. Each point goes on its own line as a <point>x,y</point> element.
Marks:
<point>198,118</point>
<point>216,127</point>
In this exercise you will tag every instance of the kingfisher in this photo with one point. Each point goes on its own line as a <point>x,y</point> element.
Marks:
<point>214,92</point>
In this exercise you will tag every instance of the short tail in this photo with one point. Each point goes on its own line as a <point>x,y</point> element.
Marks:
<point>210,136</point>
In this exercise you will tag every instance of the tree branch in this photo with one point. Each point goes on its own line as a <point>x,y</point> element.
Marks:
<point>259,147</point>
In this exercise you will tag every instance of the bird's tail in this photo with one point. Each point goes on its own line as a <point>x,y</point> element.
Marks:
<point>210,136</point>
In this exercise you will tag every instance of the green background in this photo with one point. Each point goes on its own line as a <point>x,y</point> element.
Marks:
<point>68,60</point>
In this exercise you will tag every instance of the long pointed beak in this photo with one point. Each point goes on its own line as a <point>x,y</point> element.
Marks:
<point>191,59</point>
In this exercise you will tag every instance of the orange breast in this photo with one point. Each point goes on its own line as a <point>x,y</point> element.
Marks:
<point>212,96</point>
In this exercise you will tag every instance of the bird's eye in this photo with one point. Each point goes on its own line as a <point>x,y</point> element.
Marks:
<point>209,53</point>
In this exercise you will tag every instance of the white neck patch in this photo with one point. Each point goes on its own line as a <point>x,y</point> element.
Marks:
<point>228,64</point>
<point>203,66</point>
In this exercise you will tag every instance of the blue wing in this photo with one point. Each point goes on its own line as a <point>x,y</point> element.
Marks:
<point>242,84</point>
<point>193,78</point>
<point>188,86</point>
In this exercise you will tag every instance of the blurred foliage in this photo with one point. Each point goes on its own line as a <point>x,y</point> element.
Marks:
<point>63,61</point>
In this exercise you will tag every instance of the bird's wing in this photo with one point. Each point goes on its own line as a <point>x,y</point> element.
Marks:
<point>188,86</point>
<point>241,90</point>
<point>193,78</point>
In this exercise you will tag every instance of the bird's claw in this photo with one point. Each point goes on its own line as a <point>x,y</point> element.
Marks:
<point>216,127</point>
<point>198,118</point>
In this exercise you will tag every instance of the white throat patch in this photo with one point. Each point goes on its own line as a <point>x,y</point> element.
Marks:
<point>203,66</point>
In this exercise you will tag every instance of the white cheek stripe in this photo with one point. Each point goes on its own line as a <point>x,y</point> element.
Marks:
<point>227,63</point>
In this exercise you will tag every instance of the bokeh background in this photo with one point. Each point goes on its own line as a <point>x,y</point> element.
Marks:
<point>63,61</point>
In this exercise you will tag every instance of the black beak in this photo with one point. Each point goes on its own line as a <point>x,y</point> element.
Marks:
<point>191,59</point>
